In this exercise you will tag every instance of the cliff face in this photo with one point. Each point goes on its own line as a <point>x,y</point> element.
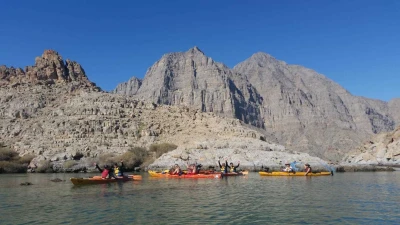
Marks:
<point>381,149</point>
<point>57,114</point>
<point>50,68</point>
<point>128,88</point>
<point>193,79</point>
<point>394,110</point>
<point>302,109</point>
<point>310,112</point>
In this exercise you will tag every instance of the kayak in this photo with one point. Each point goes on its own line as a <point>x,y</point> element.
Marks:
<point>99,180</point>
<point>195,176</point>
<point>294,174</point>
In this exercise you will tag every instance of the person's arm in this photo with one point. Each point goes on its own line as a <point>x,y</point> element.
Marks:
<point>307,171</point>
<point>237,165</point>
<point>219,163</point>
<point>226,166</point>
<point>122,168</point>
<point>97,167</point>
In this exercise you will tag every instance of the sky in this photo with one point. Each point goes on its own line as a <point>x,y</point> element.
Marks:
<point>354,43</point>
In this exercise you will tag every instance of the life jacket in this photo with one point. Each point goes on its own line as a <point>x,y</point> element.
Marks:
<point>222,168</point>
<point>104,174</point>
<point>116,171</point>
<point>232,169</point>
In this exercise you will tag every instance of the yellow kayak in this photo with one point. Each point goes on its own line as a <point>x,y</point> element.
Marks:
<point>99,180</point>
<point>294,174</point>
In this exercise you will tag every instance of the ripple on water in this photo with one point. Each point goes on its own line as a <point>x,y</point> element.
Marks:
<point>351,198</point>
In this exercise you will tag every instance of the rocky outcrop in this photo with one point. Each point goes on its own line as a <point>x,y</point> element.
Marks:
<point>308,112</point>
<point>128,88</point>
<point>193,79</point>
<point>394,110</point>
<point>71,125</point>
<point>296,106</point>
<point>50,68</point>
<point>252,155</point>
<point>382,149</point>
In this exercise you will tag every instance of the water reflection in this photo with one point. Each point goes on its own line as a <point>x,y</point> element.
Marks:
<point>351,198</point>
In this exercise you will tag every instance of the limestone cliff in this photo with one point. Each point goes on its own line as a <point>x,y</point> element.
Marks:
<point>311,113</point>
<point>296,106</point>
<point>57,118</point>
<point>382,149</point>
<point>193,79</point>
<point>50,68</point>
<point>128,88</point>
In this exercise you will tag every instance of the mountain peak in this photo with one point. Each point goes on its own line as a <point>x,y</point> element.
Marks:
<point>195,50</point>
<point>262,56</point>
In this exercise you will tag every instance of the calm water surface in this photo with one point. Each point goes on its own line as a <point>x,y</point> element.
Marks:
<point>347,198</point>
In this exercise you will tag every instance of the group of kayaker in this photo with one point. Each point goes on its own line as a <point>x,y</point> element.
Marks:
<point>195,168</point>
<point>116,171</point>
<point>108,172</point>
<point>289,168</point>
<point>224,167</point>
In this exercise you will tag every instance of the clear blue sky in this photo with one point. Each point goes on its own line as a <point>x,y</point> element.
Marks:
<point>355,43</point>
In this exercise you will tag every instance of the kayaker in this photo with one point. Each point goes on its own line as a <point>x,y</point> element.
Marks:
<point>177,170</point>
<point>192,168</point>
<point>118,170</point>
<point>288,168</point>
<point>307,169</point>
<point>223,167</point>
<point>106,173</point>
<point>233,168</point>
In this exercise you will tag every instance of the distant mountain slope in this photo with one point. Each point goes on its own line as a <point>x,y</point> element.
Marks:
<point>304,110</point>
<point>308,111</point>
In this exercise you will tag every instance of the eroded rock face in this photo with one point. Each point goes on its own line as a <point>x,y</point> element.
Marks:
<point>195,80</point>
<point>252,155</point>
<point>128,88</point>
<point>394,110</point>
<point>300,108</point>
<point>66,121</point>
<point>382,149</point>
<point>50,68</point>
<point>308,112</point>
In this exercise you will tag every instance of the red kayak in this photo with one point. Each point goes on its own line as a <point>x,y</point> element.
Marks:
<point>195,176</point>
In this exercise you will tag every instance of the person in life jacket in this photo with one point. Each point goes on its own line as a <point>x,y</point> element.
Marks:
<point>193,168</point>
<point>307,169</point>
<point>232,168</point>
<point>177,170</point>
<point>288,168</point>
<point>223,167</point>
<point>118,170</point>
<point>106,173</point>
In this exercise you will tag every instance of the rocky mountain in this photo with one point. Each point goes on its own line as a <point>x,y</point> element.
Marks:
<point>50,68</point>
<point>394,109</point>
<point>193,79</point>
<point>63,119</point>
<point>128,88</point>
<point>311,113</point>
<point>381,149</point>
<point>302,109</point>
